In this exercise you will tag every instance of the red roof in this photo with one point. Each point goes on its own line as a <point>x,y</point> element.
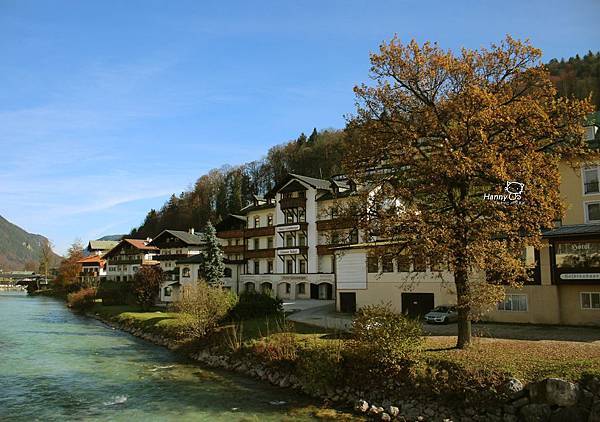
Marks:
<point>92,259</point>
<point>141,244</point>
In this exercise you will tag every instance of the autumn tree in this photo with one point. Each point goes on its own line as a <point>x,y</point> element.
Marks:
<point>146,285</point>
<point>212,267</point>
<point>437,131</point>
<point>46,259</point>
<point>67,278</point>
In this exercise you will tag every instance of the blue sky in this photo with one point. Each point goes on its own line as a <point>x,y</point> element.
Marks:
<point>108,107</point>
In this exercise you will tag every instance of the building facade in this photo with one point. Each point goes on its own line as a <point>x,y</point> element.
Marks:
<point>125,259</point>
<point>564,287</point>
<point>173,247</point>
<point>93,270</point>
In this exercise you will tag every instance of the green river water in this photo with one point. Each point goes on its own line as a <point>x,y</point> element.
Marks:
<point>56,365</point>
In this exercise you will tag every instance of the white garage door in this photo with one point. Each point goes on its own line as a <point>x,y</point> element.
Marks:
<point>352,270</point>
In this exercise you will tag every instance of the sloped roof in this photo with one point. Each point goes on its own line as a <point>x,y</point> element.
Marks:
<point>140,244</point>
<point>92,259</point>
<point>186,237</point>
<point>573,230</point>
<point>311,181</point>
<point>102,245</point>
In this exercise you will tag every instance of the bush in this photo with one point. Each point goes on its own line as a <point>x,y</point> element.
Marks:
<point>202,307</point>
<point>281,348</point>
<point>320,364</point>
<point>82,300</point>
<point>384,338</point>
<point>146,285</point>
<point>255,304</point>
<point>115,293</point>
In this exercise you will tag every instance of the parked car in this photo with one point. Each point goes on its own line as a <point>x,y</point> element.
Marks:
<point>442,314</point>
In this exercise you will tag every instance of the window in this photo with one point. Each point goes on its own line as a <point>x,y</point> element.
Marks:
<point>270,267</point>
<point>302,266</point>
<point>135,268</point>
<point>167,291</point>
<point>257,221</point>
<point>185,272</point>
<point>256,244</point>
<point>437,263</point>
<point>302,288</point>
<point>403,263</point>
<point>227,273</point>
<point>592,211</point>
<point>302,194</point>
<point>301,240</point>
<point>578,255</point>
<point>286,195</point>
<point>269,220</point>
<point>228,242</point>
<point>289,266</point>
<point>373,264</point>
<point>301,215</point>
<point>256,267</point>
<point>590,180</point>
<point>513,303</point>
<point>288,288</point>
<point>419,263</point>
<point>270,242</point>
<point>387,264</point>
<point>289,216</point>
<point>590,300</point>
<point>289,241</point>
<point>353,236</point>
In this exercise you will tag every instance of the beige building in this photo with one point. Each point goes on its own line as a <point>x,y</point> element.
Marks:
<point>564,287</point>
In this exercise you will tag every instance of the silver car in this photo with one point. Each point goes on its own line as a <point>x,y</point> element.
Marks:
<point>442,314</point>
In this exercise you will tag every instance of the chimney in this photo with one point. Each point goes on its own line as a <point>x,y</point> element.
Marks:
<point>191,230</point>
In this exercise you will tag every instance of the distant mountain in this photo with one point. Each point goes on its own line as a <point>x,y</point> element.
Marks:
<point>19,248</point>
<point>112,237</point>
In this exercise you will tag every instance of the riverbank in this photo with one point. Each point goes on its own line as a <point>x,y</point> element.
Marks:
<point>454,385</point>
<point>65,366</point>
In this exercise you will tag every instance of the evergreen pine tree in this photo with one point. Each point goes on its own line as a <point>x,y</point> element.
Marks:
<point>212,266</point>
<point>313,136</point>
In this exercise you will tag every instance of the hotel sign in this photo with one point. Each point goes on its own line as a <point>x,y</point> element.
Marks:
<point>580,276</point>
<point>293,251</point>
<point>292,228</point>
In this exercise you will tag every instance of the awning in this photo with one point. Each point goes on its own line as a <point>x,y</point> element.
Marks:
<point>573,230</point>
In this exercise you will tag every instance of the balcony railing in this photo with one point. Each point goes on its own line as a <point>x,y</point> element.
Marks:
<point>260,253</point>
<point>170,257</point>
<point>285,203</point>
<point>233,249</point>
<point>231,234</point>
<point>259,231</point>
<point>336,223</point>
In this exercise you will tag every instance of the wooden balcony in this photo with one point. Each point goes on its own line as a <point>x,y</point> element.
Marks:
<point>170,257</point>
<point>233,249</point>
<point>286,203</point>
<point>336,223</point>
<point>260,231</point>
<point>231,234</point>
<point>260,253</point>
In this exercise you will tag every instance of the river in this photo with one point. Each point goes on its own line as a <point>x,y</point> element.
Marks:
<point>56,365</point>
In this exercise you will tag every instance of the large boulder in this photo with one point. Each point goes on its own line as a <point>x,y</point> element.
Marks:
<point>571,414</point>
<point>512,388</point>
<point>554,391</point>
<point>536,412</point>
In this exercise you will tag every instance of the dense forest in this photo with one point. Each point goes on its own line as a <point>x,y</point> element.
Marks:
<point>577,76</point>
<point>226,190</point>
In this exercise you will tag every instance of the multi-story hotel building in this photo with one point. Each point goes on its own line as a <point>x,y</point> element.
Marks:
<point>125,259</point>
<point>564,287</point>
<point>174,247</point>
<point>93,269</point>
<point>280,243</point>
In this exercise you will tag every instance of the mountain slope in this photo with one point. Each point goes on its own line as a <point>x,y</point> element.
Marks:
<point>18,247</point>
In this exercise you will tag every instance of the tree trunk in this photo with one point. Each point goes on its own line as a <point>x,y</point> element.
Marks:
<point>461,279</point>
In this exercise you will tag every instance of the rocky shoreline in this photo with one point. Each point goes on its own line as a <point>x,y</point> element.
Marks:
<point>549,400</point>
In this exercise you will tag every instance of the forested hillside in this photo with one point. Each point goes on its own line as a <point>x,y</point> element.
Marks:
<point>226,190</point>
<point>577,76</point>
<point>20,250</point>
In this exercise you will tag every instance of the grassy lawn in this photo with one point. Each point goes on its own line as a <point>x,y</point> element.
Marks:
<point>524,359</point>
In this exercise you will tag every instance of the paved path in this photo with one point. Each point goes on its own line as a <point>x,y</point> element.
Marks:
<point>322,313</point>
<point>318,312</point>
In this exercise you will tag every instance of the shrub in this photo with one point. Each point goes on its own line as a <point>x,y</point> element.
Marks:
<point>146,285</point>
<point>202,307</point>
<point>82,300</point>
<point>115,293</point>
<point>256,304</point>
<point>320,364</point>
<point>384,338</point>
<point>277,348</point>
